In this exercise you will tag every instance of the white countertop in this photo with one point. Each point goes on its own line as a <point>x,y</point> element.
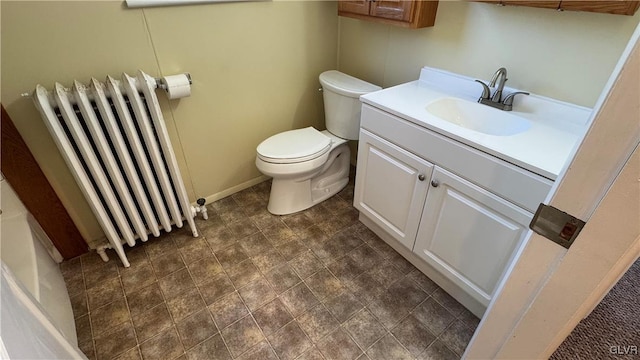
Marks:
<point>556,127</point>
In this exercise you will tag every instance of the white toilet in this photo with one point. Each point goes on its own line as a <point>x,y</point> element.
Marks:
<point>308,166</point>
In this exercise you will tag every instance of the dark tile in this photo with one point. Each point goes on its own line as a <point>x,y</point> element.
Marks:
<point>387,308</point>
<point>228,309</point>
<point>438,351</point>
<point>298,299</point>
<point>167,263</point>
<point>195,250</point>
<point>255,244</point>
<point>365,328</point>
<point>290,341</point>
<point>388,348</point>
<point>212,348</point>
<point>116,341</point>
<point>185,304</point>
<point>413,335</point>
<point>232,215</point>
<point>291,249</point>
<point>158,247</point>
<point>335,205</point>
<point>71,266</point>
<point>79,304</point>
<point>338,346</point>
<point>257,293</point>
<point>218,286</point>
<point>243,227</point>
<point>346,269</point>
<point>324,285</point>
<point>74,282</point>
<point>109,316</point>
<point>366,288</point>
<point>165,345</point>
<point>231,255</point>
<point>224,204</point>
<point>297,222</point>
<point>243,273</point>
<point>246,197</point>
<point>457,336</point>
<point>423,281</point>
<point>144,299</point>
<point>264,219</point>
<point>317,214</point>
<point>282,278</point>
<point>434,316</point>
<point>305,264</point>
<point>88,349</point>
<point>311,354</point>
<point>104,293</point>
<point>272,316</point>
<point>152,322</point>
<point>342,307</point>
<point>83,329</point>
<point>366,256</point>
<point>400,263</point>
<point>386,274</point>
<point>279,234</point>
<point>408,293</point>
<point>469,319</point>
<point>219,238</point>
<point>100,275</point>
<point>131,354</point>
<point>91,261</point>
<point>203,269</point>
<point>317,323</point>
<point>184,237</point>
<point>242,335</point>
<point>137,277</point>
<point>268,260</point>
<point>449,303</point>
<point>176,283</point>
<point>262,351</point>
<point>196,328</point>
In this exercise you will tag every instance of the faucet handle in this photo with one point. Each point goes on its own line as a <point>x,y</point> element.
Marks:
<point>486,92</point>
<point>508,100</point>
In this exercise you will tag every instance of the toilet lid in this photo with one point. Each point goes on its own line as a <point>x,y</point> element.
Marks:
<point>294,146</point>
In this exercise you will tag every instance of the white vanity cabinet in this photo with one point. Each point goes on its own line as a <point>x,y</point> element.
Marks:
<point>391,186</point>
<point>459,213</point>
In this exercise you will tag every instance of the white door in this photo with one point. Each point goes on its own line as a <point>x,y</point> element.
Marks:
<point>391,186</point>
<point>550,289</point>
<point>468,233</point>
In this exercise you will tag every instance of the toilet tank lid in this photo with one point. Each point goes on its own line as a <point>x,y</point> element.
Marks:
<point>345,84</point>
<point>294,145</point>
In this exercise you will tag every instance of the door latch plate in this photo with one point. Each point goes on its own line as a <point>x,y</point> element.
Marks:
<point>556,225</point>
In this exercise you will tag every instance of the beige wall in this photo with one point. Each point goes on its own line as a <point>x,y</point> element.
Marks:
<point>563,55</point>
<point>254,66</point>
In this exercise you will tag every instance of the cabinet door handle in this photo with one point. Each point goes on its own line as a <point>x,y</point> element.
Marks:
<point>421,177</point>
<point>435,183</point>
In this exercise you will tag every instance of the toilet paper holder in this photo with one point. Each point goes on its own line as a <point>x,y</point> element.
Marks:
<point>161,84</point>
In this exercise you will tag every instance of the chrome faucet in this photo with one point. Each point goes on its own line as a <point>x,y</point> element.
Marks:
<point>496,100</point>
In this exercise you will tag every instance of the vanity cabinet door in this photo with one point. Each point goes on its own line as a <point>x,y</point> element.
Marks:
<point>469,234</point>
<point>391,186</point>
<point>395,10</point>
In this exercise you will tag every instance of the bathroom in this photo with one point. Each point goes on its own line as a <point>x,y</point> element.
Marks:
<point>255,67</point>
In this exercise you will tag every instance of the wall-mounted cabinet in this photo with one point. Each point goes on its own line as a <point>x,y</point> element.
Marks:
<point>618,7</point>
<point>410,14</point>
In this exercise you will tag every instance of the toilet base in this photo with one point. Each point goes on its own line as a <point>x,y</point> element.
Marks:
<point>292,195</point>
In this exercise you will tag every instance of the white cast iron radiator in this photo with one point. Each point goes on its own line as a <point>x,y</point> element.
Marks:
<point>113,138</point>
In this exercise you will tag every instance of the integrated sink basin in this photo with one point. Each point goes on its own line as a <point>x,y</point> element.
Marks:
<point>477,117</point>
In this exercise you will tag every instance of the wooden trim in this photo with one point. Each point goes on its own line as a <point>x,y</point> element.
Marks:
<point>32,187</point>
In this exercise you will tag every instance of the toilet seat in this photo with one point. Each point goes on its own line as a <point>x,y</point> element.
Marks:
<point>294,146</point>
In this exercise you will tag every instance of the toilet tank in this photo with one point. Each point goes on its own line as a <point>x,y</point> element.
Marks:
<point>341,94</point>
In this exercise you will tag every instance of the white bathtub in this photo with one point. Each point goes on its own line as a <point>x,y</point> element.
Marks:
<point>23,252</point>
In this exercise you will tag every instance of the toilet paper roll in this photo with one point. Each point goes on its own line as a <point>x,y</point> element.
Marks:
<point>178,86</point>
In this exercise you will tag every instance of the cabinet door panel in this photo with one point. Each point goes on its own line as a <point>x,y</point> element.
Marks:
<point>390,9</point>
<point>388,189</point>
<point>611,6</point>
<point>354,6</point>
<point>469,234</point>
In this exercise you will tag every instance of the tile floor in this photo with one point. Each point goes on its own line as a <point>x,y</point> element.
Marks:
<point>312,285</point>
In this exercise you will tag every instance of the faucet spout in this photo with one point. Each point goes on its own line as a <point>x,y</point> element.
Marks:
<point>500,74</point>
